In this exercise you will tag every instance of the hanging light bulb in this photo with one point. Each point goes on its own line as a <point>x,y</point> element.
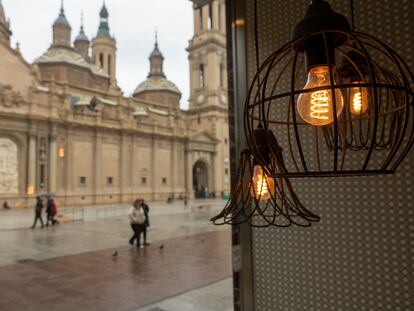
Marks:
<point>263,185</point>
<point>359,99</point>
<point>316,107</point>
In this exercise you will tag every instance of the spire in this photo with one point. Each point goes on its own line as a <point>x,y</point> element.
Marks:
<point>61,20</point>
<point>61,29</point>
<point>156,61</point>
<point>81,36</point>
<point>156,52</point>
<point>82,41</point>
<point>103,30</point>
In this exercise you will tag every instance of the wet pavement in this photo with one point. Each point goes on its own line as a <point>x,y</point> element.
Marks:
<point>214,297</point>
<point>72,267</point>
<point>23,218</point>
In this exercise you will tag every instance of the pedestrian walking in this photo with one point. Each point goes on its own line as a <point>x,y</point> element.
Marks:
<point>48,211</point>
<point>137,219</point>
<point>51,212</point>
<point>145,208</point>
<point>38,212</point>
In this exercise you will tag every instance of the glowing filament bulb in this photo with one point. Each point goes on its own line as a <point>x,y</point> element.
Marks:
<point>263,185</point>
<point>317,107</point>
<point>320,105</point>
<point>359,99</point>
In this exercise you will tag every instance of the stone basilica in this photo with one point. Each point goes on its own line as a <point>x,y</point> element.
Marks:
<point>67,129</point>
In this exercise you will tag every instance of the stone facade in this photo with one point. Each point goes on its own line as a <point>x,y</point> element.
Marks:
<point>67,129</point>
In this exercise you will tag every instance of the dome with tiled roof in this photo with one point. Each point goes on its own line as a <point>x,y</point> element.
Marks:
<point>156,84</point>
<point>69,56</point>
<point>157,81</point>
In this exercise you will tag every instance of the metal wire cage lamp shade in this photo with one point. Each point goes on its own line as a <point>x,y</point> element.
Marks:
<point>263,201</point>
<point>353,115</point>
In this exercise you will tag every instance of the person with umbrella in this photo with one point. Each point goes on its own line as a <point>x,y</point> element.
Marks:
<point>38,212</point>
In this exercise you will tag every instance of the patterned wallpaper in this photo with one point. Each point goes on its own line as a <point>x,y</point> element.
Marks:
<point>361,255</point>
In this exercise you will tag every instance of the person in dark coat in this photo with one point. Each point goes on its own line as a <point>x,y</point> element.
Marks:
<point>145,207</point>
<point>38,212</point>
<point>49,216</point>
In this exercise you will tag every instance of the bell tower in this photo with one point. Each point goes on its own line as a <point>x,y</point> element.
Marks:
<point>208,109</point>
<point>207,55</point>
<point>104,47</point>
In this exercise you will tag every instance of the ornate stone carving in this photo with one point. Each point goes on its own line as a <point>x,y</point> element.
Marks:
<point>9,171</point>
<point>8,98</point>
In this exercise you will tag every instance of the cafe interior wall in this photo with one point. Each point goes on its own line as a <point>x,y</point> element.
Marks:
<point>360,256</point>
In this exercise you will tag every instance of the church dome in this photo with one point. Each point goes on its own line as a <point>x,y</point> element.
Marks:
<point>157,84</point>
<point>68,56</point>
<point>157,80</point>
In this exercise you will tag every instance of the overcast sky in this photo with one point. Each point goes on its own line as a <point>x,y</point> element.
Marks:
<point>133,22</point>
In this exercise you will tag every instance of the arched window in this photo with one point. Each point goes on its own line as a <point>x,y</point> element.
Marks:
<point>200,17</point>
<point>219,16</point>
<point>109,64</point>
<point>210,16</point>
<point>201,76</point>
<point>101,60</point>
<point>221,75</point>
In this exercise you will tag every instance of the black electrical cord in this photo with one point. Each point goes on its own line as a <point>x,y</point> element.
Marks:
<point>256,41</point>
<point>352,7</point>
<point>256,36</point>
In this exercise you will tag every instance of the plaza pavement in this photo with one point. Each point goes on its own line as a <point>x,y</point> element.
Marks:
<point>194,261</point>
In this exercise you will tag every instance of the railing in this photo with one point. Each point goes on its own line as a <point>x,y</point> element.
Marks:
<point>71,214</point>
<point>111,212</point>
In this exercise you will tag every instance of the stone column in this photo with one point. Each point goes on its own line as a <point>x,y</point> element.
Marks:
<point>153,166</point>
<point>173,165</point>
<point>69,162</point>
<point>133,168</point>
<point>196,21</point>
<point>125,167</point>
<point>213,174</point>
<point>97,167</point>
<point>31,176</point>
<point>189,173</point>
<point>206,14</point>
<point>53,154</point>
<point>216,17</point>
<point>223,17</point>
